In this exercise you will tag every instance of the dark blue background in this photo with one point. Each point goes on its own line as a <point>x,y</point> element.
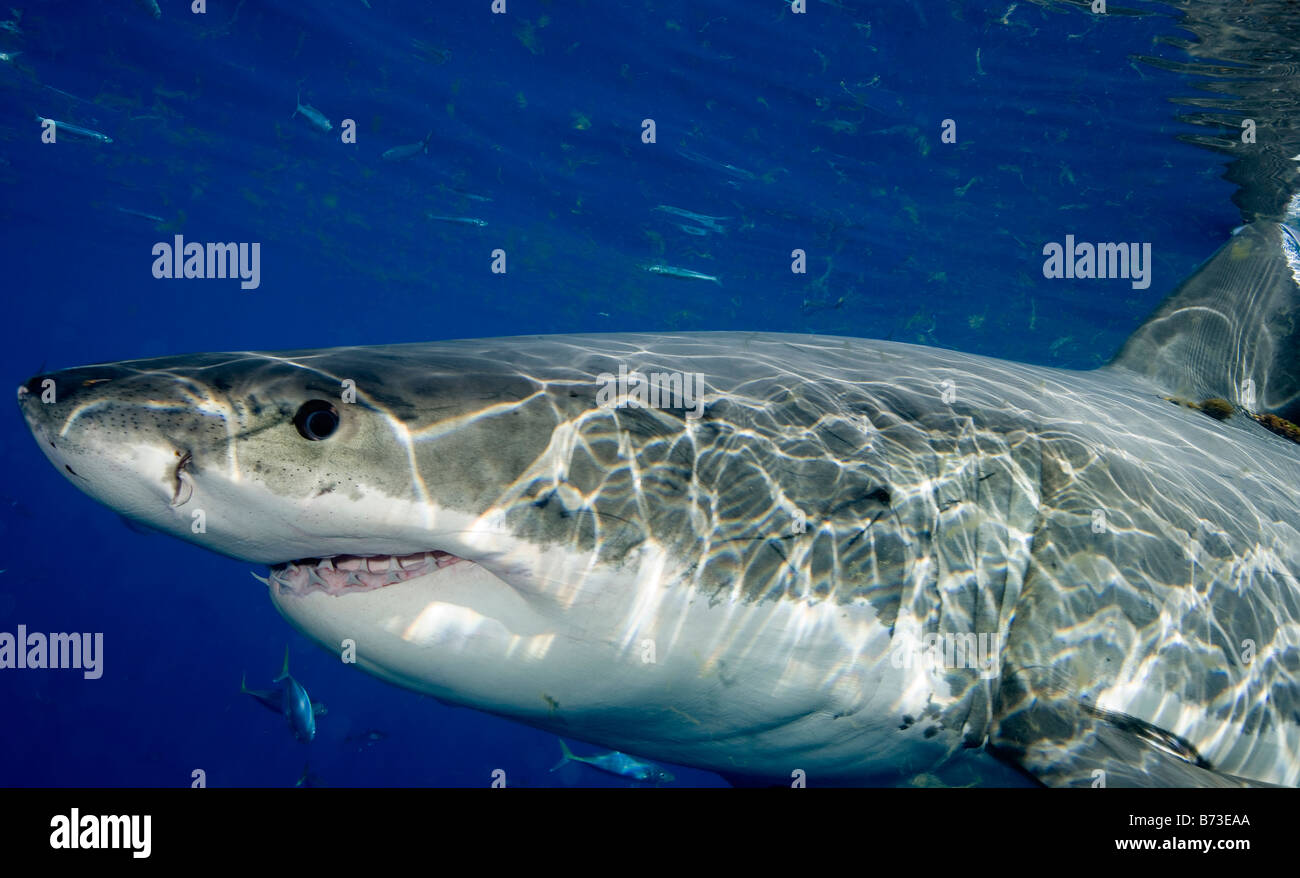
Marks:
<point>830,121</point>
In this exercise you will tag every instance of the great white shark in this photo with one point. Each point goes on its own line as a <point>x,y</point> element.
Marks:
<point>863,562</point>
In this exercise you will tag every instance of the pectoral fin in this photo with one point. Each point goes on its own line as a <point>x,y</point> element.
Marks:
<point>1066,742</point>
<point>272,700</point>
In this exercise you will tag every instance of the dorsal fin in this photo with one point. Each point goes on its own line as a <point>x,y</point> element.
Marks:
<point>1232,329</point>
<point>284,672</point>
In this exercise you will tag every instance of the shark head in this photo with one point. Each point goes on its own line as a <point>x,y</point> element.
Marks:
<point>384,498</point>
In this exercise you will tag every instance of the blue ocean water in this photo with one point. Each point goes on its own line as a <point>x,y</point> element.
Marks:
<point>819,131</point>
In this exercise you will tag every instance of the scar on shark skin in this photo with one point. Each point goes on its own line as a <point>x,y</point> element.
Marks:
<point>684,715</point>
<point>1216,407</point>
<point>1280,426</point>
<point>1222,410</point>
<point>182,485</point>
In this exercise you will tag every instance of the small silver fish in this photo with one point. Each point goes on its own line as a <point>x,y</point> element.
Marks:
<point>74,130</point>
<point>368,738</point>
<point>466,220</point>
<point>812,306</point>
<point>616,763</point>
<point>312,115</point>
<point>709,222</point>
<point>8,57</point>
<point>149,216</point>
<point>463,193</point>
<point>734,171</point>
<point>671,271</point>
<point>151,6</point>
<point>397,153</point>
<point>68,95</point>
<point>291,700</point>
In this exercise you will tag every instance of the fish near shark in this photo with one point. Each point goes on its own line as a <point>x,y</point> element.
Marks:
<point>795,582</point>
<point>407,150</point>
<point>314,117</point>
<point>617,764</point>
<point>290,701</point>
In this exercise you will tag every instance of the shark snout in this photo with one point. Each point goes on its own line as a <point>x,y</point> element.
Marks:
<point>29,403</point>
<point>119,439</point>
<point>48,397</point>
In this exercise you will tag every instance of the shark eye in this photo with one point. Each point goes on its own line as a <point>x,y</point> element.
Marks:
<point>316,419</point>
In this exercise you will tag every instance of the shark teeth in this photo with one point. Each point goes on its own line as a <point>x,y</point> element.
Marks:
<point>344,574</point>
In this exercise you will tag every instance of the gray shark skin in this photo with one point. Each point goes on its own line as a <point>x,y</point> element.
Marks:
<point>754,591</point>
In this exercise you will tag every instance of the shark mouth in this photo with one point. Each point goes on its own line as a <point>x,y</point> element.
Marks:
<point>349,574</point>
